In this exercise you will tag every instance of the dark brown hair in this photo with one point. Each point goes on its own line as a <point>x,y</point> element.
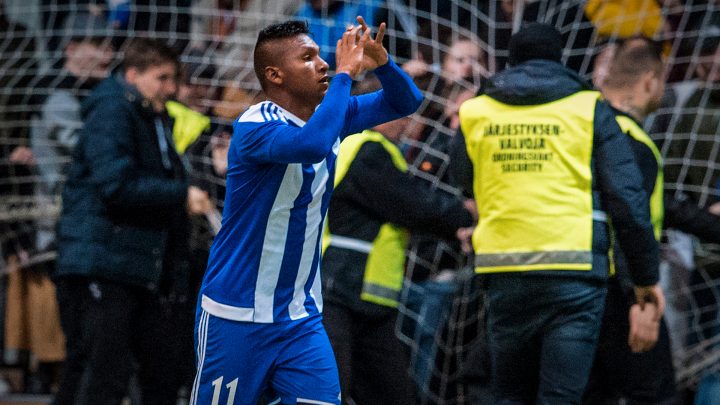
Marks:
<point>143,53</point>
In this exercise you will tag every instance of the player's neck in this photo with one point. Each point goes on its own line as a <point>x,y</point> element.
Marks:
<point>299,108</point>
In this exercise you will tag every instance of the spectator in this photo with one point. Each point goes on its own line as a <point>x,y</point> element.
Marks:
<point>692,166</point>
<point>123,230</point>
<point>376,203</point>
<point>436,260</point>
<point>16,65</point>
<point>693,138</point>
<point>233,55</point>
<point>634,86</point>
<point>461,59</point>
<point>54,131</point>
<point>535,131</point>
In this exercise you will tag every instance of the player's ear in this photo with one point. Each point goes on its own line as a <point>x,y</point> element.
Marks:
<point>273,74</point>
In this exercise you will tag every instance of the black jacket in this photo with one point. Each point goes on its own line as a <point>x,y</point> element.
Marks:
<point>372,193</point>
<point>124,216</point>
<point>617,182</point>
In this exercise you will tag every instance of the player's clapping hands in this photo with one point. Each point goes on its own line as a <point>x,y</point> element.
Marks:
<point>375,54</point>
<point>349,52</point>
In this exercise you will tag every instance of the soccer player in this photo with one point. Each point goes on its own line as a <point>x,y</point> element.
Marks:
<point>259,330</point>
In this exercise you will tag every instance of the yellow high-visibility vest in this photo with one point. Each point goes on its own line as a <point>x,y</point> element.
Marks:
<point>533,182</point>
<point>657,206</point>
<point>385,266</point>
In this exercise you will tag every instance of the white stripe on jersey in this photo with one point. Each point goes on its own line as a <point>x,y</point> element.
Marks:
<point>273,249</point>
<point>296,309</point>
<point>269,111</point>
<point>316,289</point>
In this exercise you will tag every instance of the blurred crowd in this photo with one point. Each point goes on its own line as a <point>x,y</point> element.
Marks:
<point>48,72</point>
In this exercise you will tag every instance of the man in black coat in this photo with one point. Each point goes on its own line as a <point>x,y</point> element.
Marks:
<point>123,230</point>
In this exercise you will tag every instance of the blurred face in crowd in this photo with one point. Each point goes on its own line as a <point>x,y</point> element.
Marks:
<point>157,83</point>
<point>89,58</point>
<point>321,4</point>
<point>708,68</point>
<point>464,59</point>
<point>197,95</point>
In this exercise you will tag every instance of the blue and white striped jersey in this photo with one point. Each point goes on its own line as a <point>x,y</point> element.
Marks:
<point>264,263</point>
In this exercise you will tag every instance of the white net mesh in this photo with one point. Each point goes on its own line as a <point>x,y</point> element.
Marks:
<point>441,315</point>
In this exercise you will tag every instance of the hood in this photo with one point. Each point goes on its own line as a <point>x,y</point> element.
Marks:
<point>536,81</point>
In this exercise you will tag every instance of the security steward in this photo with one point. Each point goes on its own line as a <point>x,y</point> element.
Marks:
<point>634,88</point>
<point>375,205</point>
<point>551,170</point>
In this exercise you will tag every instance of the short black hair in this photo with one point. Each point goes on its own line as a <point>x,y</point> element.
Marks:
<point>535,41</point>
<point>283,30</point>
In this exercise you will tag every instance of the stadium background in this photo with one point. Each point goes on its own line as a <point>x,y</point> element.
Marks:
<point>216,40</point>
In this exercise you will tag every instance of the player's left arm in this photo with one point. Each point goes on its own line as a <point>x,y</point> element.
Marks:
<point>399,96</point>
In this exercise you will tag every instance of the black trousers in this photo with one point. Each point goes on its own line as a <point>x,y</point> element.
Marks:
<point>73,299</point>
<point>128,325</point>
<point>618,373</point>
<point>372,362</point>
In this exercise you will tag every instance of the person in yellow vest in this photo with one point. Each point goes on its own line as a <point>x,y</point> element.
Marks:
<point>634,87</point>
<point>550,170</point>
<point>375,205</point>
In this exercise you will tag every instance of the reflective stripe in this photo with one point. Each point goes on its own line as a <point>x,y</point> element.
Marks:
<point>380,295</point>
<point>531,258</point>
<point>598,215</point>
<point>379,291</point>
<point>357,245</point>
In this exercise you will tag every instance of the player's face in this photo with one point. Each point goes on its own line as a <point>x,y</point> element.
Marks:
<point>156,83</point>
<point>305,72</point>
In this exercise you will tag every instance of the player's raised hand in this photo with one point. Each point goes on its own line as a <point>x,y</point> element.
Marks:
<point>349,52</point>
<point>375,54</point>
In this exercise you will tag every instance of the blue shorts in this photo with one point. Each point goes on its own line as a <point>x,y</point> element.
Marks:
<point>286,362</point>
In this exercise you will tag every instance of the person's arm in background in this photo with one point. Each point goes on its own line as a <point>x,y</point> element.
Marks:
<point>461,168</point>
<point>386,192</point>
<point>684,215</point>
<point>627,204</point>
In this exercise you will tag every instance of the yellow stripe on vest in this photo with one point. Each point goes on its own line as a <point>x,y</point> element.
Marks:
<point>657,205</point>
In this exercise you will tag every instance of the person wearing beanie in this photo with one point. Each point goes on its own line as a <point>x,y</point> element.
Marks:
<point>539,131</point>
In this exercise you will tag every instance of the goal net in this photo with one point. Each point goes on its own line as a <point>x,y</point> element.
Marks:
<point>449,47</point>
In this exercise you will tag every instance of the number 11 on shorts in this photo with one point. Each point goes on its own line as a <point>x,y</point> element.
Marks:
<point>217,387</point>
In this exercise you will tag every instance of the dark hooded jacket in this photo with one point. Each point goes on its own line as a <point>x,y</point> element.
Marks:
<point>124,216</point>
